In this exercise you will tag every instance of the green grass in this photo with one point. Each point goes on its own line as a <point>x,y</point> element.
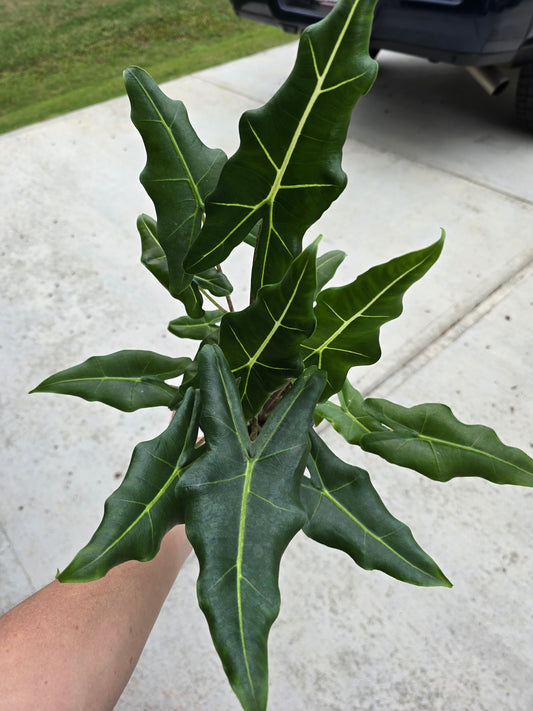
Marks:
<point>61,55</point>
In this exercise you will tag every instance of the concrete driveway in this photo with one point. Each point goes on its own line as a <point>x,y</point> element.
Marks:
<point>426,149</point>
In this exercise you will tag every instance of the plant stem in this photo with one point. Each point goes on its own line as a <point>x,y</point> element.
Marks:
<point>254,428</point>
<point>271,403</point>
<point>228,297</point>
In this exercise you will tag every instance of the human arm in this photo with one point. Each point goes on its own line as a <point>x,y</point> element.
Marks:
<point>73,647</point>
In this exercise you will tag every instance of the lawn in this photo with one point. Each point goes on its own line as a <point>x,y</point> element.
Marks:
<point>60,55</point>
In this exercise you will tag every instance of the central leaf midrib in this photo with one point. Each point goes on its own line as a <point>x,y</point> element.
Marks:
<point>321,77</point>
<point>277,324</point>
<point>358,421</point>
<point>280,174</point>
<point>465,448</point>
<point>146,511</point>
<point>239,562</point>
<point>325,492</point>
<point>190,178</point>
<point>131,379</point>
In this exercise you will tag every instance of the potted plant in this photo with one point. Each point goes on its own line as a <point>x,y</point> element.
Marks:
<point>241,463</point>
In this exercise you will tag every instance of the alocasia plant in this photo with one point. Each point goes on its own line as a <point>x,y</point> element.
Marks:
<point>240,463</point>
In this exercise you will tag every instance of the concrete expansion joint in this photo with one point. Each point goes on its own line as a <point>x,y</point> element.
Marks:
<point>475,182</point>
<point>525,201</point>
<point>230,89</point>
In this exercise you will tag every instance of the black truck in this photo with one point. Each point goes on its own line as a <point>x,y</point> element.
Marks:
<point>485,36</point>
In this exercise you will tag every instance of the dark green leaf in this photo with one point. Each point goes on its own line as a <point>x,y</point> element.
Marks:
<point>287,170</point>
<point>242,508</point>
<point>152,254</point>
<point>326,266</point>
<point>345,512</point>
<point>214,281</point>
<point>349,317</point>
<point>127,380</point>
<point>251,237</point>
<point>191,298</point>
<point>262,342</point>
<point>430,439</point>
<point>351,418</point>
<point>180,171</point>
<point>154,259</point>
<point>196,328</point>
<point>144,507</point>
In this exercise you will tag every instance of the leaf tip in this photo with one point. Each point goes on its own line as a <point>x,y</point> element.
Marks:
<point>441,580</point>
<point>128,73</point>
<point>437,579</point>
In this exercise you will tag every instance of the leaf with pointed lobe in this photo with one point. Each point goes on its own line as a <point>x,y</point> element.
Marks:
<point>346,512</point>
<point>180,172</point>
<point>144,507</point>
<point>431,440</point>
<point>349,317</point>
<point>262,342</point>
<point>127,380</point>
<point>242,508</point>
<point>287,169</point>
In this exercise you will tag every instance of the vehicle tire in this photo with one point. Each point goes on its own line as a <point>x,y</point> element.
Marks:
<point>524,96</point>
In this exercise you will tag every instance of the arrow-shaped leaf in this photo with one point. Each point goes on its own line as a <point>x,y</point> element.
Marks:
<point>345,512</point>
<point>349,317</point>
<point>431,440</point>
<point>180,171</point>
<point>242,508</point>
<point>144,507</point>
<point>287,170</point>
<point>127,380</point>
<point>262,342</point>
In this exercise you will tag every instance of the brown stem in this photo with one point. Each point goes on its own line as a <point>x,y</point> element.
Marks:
<point>271,403</point>
<point>254,428</point>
